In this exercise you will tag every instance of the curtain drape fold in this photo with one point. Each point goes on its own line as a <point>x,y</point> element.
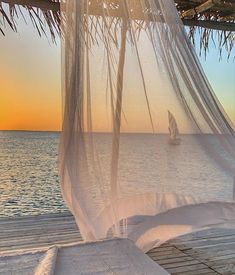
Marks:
<point>147,151</point>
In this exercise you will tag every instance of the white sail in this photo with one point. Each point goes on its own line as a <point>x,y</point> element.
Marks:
<point>173,129</point>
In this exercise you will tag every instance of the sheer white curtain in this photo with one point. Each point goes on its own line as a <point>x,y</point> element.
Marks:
<point>126,64</point>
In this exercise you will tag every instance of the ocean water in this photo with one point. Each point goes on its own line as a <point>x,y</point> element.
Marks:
<point>29,181</point>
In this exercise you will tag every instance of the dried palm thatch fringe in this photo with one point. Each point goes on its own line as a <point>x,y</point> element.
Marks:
<point>44,15</point>
<point>213,19</point>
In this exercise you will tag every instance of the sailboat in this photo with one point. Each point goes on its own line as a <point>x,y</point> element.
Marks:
<point>173,129</point>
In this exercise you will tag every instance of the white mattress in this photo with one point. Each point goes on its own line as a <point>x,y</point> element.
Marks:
<point>116,256</point>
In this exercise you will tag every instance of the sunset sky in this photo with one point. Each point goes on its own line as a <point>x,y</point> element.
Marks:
<point>30,95</point>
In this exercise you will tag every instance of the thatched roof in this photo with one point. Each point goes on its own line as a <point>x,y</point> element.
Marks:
<point>211,17</point>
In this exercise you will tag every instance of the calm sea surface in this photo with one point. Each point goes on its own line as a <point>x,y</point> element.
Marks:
<point>29,181</point>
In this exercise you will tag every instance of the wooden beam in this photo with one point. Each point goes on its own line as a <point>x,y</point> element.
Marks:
<point>214,25</point>
<point>214,5</point>
<point>203,7</point>
<point>228,6</point>
<point>229,17</point>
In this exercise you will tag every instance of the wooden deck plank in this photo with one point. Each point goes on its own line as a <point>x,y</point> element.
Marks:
<point>178,260</point>
<point>205,234</point>
<point>197,272</point>
<point>173,257</point>
<point>183,269</point>
<point>203,245</point>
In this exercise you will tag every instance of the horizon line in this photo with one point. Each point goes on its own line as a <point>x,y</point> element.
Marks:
<point>103,132</point>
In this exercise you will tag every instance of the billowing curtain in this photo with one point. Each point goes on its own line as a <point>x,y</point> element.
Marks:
<point>147,151</point>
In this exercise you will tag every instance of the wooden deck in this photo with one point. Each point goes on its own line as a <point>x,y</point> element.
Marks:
<point>207,252</point>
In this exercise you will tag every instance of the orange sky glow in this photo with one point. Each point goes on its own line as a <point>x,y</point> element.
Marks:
<point>30,92</point>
